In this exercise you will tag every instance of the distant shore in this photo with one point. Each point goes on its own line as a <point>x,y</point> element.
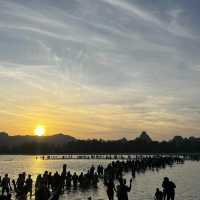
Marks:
<point>65,144</point>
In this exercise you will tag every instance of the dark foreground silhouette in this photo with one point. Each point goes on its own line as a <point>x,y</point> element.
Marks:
<point>50,186</point>
<point>168,190</point>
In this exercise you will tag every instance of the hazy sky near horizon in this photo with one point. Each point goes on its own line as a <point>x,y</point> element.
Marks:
<point>100,68</point>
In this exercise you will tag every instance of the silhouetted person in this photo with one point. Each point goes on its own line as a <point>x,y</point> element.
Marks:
<point>158,194</point>
<point>68,180</point>
<point>168,189</point>
<point>133,172</point>
<point>63,176</point>
<point>95,179</point>
<point>29,185</point>
<point>165,185</point>
<point>172,187</point>
<point>110,189</point>
<point>42,192</point>
<point>49,180</point>
<point>5,183</point>
<point>20,185</point>
<point>75,180</point>
<point>80,179</point>
<point>123,189</point>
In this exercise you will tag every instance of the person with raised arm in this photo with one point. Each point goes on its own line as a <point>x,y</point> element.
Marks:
<point>123,189</point>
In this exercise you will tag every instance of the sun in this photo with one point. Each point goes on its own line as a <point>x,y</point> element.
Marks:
<point>39,130</point>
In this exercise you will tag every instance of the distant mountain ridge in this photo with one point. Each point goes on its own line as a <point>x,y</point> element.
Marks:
<point>61,143</point>
<point>60,138</point>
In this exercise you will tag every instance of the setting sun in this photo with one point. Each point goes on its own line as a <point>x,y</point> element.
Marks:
<point>39,131</point>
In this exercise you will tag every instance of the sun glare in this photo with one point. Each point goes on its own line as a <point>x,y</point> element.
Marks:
<point>39,131</point>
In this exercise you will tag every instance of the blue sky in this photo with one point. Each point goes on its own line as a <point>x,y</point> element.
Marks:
<point>100,68</point>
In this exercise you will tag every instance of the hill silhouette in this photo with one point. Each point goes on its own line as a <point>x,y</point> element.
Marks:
<point>144,137</point>
<point>57,139</point>
<point>61,144</point>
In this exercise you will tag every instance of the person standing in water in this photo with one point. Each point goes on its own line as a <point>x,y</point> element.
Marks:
<point>158,194</point>
<point>110,189</point>
<point>29,185</point>
<point>165,186</point>
<point>168,189</point>
<point>123,189</point>
<point>172,187</point>
<point>5,183</point>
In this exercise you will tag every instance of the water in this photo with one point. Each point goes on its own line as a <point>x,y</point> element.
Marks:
<point>185,176</point>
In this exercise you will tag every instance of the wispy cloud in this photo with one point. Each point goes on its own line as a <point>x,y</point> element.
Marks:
<point>103,68</point>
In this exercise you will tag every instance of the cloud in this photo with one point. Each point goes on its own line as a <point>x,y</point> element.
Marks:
<point>130,65</point>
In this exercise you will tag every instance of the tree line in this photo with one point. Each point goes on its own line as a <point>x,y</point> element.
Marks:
<point>177,145</point>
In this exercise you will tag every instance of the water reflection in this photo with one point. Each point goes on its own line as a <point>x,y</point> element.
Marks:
<point>185,176</point>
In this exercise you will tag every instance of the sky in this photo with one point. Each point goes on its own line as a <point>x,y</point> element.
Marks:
<point>100,68</point>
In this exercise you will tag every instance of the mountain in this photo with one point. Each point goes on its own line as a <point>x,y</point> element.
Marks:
<point>58,139</point>
<point>144,137</point>
<point>63,144</point>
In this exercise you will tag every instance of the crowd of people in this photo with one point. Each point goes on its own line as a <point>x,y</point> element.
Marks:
<point>114,172</point>
<point>51,186</point>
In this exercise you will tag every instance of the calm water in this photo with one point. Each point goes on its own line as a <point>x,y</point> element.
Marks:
<point>186,177</point>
